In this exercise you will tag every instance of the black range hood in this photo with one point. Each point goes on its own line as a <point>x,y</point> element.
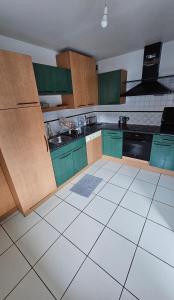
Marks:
<point>149,83</point>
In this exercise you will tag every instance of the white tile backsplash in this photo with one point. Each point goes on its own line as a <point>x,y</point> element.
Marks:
<point>142,110</point>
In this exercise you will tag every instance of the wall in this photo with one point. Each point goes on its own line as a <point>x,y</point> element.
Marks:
<point>39,54</point>
<point>140,109</point>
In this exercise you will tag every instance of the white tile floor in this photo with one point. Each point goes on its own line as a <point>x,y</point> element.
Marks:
<point>118,244</point>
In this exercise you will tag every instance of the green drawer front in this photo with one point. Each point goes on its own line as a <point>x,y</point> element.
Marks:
<point>163,138</point>
<point>61,151</point>
<point>78,143</point>
<point>162,156</point>
<point>115,133</point>
<point>112,146</point>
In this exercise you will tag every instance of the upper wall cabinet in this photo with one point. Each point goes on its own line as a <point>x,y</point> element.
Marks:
<point>17,81</point>
<point>111,86</point>
<point>52,80</point>
<point>84,78</point>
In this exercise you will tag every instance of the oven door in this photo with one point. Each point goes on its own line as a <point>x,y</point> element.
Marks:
<point>137,145</point>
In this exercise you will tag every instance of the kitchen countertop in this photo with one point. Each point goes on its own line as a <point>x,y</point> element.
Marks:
<point>87,130</point>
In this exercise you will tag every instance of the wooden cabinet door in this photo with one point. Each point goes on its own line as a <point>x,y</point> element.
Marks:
<point>17,81</point>
<point>84,78</point>
<point>26,155</point>
<point>91,81</point>
<point>94,150</point>
<point>7,204</point>
<point>78,70</point>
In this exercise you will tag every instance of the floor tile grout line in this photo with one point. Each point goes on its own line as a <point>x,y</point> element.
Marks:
<point>6,249</point>
<point>51,209</point>
<point>90,249</point>
<point>65,229</point>
<point>159,185</point>
<point>89,253</point>
<point>17,284</point>
<point>155,222</point>
<point>14,242</point>
<point>118,234</point>
<point>31,268</point>
<point>61,233</point>
<point>138,214</point>
<point>82,211</point>
<point>131,293</point>
<point>87,256</point>
<point>172,206</point>
<point>138,243</point>
<point>9,217</point>
<point>128,189</point>
<point>152,254</point>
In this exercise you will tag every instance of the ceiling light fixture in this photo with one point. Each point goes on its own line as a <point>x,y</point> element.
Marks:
<point>104,21</point>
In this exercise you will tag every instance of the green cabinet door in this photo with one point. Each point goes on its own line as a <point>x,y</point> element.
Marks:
<point>68,160</point>
<point>162,152</point>
<point>162,156</point>
<point>109,87</point>
<point>79,158</point>
<point>112,143</point>
<point>52,80</point>
<point>63,167</point>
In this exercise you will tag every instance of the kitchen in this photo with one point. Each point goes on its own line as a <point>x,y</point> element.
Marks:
<point>86,172</point>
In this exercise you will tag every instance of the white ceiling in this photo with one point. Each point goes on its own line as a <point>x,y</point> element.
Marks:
<point>75,24</point>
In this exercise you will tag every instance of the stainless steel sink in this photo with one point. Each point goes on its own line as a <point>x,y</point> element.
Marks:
<point>56,140</point>
<point>60,139</point>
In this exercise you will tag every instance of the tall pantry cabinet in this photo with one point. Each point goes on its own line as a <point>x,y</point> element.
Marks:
<point>24,152</point>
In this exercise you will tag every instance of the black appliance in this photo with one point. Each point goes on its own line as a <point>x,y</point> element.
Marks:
<point>149,84</point>
<point>123,120</point>
<point>167,121</point>
<point>137,145</point>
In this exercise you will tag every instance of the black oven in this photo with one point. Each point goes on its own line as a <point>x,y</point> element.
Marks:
<point>137,145</point>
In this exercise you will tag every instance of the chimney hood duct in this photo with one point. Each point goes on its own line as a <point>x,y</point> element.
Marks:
<point>149,83</point>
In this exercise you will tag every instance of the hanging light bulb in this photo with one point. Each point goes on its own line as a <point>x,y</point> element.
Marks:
<point>104,21</point>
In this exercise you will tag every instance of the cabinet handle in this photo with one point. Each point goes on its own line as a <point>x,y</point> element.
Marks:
<point>162,145</point>
<point>115,138</point>
<point>46,142</point>
<point>25,103</point>
<point>60,157</point>
<point>77,149</point>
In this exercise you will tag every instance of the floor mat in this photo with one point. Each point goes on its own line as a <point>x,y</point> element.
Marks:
<point>86,185</point>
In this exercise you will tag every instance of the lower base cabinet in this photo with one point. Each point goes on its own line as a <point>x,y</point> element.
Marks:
<point>162,153</point>
<point>94,147</point>
<point>112,143</point>
<point>69,160</point>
